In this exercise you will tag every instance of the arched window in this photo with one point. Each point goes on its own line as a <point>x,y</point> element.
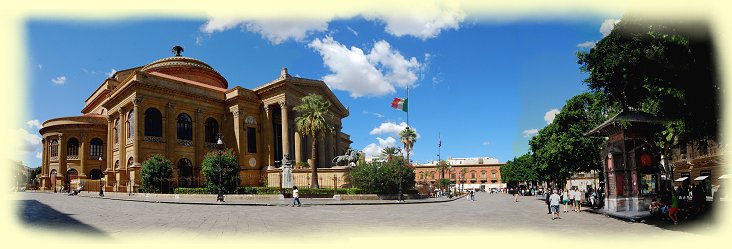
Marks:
<point>185,175</point>
<point>116,131</point>
<point>130,124</point>
<point>493,174</point>
<point>129,162</point>
<point>54,148</point>
<point>72,147</point>
<point>95,149</point>
<point>472,174</point>
<point>185,127</point>
<point>482,174</point>
<point>153,123</point>
<point>212,130</point>
<point>95,174</point>
<point>116,165</point>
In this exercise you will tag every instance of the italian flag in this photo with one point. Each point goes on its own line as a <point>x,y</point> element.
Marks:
<point>400,104</point>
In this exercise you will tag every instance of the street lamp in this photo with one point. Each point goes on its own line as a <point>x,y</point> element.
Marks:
<point>220,145</point>
<point>101,174</point>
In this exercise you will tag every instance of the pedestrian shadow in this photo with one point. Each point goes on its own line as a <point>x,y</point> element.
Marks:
<point>34,214</point>
<point>701,224</point>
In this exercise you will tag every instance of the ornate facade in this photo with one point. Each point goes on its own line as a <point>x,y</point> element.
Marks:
<point>177,107</point>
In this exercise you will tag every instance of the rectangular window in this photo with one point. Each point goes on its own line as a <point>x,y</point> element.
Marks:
<point>649,184</point>
<point>251,140</point>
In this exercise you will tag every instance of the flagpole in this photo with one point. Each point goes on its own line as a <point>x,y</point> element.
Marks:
<point>407,105</point>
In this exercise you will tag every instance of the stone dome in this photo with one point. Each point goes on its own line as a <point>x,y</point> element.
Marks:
<point>187,68</point>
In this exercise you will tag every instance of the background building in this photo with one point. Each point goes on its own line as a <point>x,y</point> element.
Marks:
<point>482,173</point>
<point>178,107</point>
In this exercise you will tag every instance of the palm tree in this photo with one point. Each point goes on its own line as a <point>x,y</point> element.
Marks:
<point>442,165</point>
<point>408,138</point>
<point>463,171</point>
<point>313,121</point>
<point>389,153</point>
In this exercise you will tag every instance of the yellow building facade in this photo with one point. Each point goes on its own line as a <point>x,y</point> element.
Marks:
<point>177,107</point>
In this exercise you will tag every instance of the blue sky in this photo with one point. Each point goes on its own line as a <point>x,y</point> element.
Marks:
<point>485,86</point>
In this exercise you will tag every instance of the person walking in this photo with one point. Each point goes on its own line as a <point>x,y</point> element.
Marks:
<point>571,198</point>
<point>577,200</point>
<point>515,195</point>
<point>546,199</point>
<point>672,212</point>
<point>565,201</point>
<point>554,203</point>
<point>295,196</point>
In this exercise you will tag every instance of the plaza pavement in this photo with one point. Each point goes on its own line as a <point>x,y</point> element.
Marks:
<point>490,214</point>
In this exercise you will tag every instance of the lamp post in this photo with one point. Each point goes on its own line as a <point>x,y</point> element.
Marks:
<point>101,175</point>
<point>220,145</point>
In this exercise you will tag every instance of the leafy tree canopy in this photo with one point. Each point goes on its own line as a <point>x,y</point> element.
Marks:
<point>222,167</point>
<point>156,173</point>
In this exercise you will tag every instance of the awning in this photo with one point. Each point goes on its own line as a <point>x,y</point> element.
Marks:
<point>724,177</point>
<point>681,179</point>
<point>700,178</point>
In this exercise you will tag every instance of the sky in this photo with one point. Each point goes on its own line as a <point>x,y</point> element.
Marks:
<point>484,87</point>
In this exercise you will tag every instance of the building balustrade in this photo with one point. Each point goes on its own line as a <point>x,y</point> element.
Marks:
<point>116,146</point>
<point>153,139</point>
<point>129,140</point>
<point>54,158</point>
<point>184,142</point>
<point>72,157</point>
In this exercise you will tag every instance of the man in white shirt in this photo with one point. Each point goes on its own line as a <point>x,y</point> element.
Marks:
<point>554,204</point>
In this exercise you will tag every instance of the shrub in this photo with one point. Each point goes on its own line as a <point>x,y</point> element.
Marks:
<point>223,167</point>
<point>382,177</point>
<point>191,191</point>
<point>156,173</point>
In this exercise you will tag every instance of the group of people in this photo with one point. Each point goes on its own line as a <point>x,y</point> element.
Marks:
<point>692,197</point>
<point>570,199</point>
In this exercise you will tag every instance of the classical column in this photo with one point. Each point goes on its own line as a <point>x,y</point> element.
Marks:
<point>199,131</point>
<point>298,147</point>
<point>122,145</point>
<point>169,130</point>
<point>137,131</point>
<point>267,136</point>
<point>285,129</point>
<point>238,114</point>
<point>44,164</point>
<point>61,154</point>
<point>82,154</point>
<point>321,151</point>
<point>109,154</point>
<point>331,146</point>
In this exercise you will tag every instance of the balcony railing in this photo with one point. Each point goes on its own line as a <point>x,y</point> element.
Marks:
<point>54,158</point>
<point>153,139</point>
<point>72,157</point>
<point>184,142</point>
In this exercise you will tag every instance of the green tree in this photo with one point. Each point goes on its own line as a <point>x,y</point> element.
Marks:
<point>382,177</point>
<point>313,121</point>
<point>442,166</point>
<point>156,174</point>
<point>389,153</point>
<point>408,138</point>
<point>221,166</point>
<point>663,68</point>
<point>561,148</point>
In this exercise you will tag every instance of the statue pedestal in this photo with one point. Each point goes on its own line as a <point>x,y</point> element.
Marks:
<point>287,176</point>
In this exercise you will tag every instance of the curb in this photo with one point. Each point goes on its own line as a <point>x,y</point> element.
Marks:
<point>271,204</point>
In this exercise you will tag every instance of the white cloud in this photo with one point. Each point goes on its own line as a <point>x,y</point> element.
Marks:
<point>378,115</point>
<point>530,133</point>
<point>276,31</point>
<point>423,20</point>
<point>111,72</point>
<point>352,31</point>
<point>607,26</point>
<point>60,80</point>
<point>374,149</point>
<point>23,140</point>
<point>550,115</point>
<point>39,155</point>
<point>486,142</point>
<point>373,74</point>
<point>33,123</point>
<point>587,44</point>
<point>40,66</point>
<point>391,128</point>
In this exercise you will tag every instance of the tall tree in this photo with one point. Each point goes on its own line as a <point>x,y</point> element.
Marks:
<point>442,166</point>
<point>313,121</point>
<point>561,148</point>
<point>408,138</point>
<point>156,173</point>
<point>663,68</point>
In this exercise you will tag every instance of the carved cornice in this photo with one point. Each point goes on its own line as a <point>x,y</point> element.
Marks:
<point>137,101</point>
